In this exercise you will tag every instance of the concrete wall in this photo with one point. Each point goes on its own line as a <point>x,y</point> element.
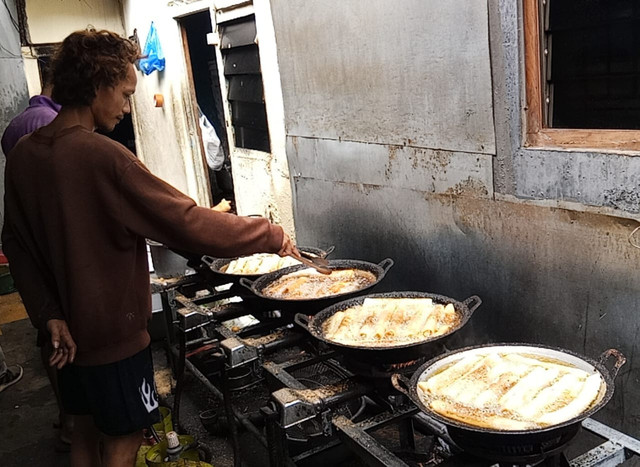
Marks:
<point>14,95</point>
<point>404,136</point>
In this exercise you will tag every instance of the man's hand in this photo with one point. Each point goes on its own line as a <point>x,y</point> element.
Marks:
<point>64,348</point>
<point>288,247</point>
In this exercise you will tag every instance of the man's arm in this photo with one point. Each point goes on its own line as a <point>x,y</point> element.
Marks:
<point>154,209</point>
<point>41,304</point>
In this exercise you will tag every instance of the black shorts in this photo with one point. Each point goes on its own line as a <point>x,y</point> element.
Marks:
<point>121,397</point>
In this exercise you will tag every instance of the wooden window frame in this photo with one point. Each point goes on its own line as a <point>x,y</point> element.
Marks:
<point>536,134</point>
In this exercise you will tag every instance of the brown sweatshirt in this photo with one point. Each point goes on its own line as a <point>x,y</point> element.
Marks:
<point>78,207</point>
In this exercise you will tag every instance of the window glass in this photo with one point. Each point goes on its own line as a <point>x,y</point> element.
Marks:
<point>591,63</point>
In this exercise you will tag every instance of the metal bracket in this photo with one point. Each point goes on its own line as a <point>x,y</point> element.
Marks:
<point>611,434</point>
<point>237,353</point>
<point>365,445</point>
<point>292,408</point>
<point>608,454</point>
<point>327,425</point>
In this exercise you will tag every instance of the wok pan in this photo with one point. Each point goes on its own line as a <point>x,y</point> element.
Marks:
<point>313,305</point>
<point>390,354</point>
<point>218,264</point>
<point>514,445</point>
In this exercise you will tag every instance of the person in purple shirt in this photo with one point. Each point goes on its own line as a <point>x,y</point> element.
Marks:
<point>41,111</point>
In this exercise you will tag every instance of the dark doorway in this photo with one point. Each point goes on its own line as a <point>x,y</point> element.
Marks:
<point>123,133</point>
<point>201,60</point>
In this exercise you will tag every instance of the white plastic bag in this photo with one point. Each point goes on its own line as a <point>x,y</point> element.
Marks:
<point>211,143</point>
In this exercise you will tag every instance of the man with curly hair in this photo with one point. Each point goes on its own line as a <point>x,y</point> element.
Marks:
<point>78,209</point>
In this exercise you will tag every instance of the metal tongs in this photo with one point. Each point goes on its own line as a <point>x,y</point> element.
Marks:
<point>319,264</point>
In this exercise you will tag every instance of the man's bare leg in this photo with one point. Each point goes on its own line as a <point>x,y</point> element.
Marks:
<point>85,443</point>
<point>121,451</point>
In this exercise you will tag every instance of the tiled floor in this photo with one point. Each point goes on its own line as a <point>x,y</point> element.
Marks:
<point>11,309</point>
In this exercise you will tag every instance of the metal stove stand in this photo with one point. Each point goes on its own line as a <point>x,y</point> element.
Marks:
<point>615,449</point>
<point>315,410</point>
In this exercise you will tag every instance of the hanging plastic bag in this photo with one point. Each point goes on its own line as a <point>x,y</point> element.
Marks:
<point>152,53</point>
<point>211,143</point>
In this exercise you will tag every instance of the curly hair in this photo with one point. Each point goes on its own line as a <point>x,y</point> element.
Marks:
<point>87,60</point>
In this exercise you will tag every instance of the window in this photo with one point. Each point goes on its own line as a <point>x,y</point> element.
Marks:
<point>244,83</point>
<point>583,73</point>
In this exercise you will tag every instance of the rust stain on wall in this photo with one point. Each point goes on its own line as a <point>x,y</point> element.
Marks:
<point>468,187</point>
<point>429,158</point>
<point>393,155</point>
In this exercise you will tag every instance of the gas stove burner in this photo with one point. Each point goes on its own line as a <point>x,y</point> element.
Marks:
<point>242,377</point>
<point>311,429</point>
<point>526,450</point>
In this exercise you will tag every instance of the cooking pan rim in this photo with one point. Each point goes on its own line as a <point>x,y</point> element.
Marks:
<point>225,261</point>
<point>261,282</point>
<point>319,318</point>
<point>606,376</point>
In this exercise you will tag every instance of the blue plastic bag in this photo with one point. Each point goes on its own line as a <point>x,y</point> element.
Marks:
<point>154,58</point>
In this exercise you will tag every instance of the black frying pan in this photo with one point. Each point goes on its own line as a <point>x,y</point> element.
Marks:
<point>487,442</point>
<point>392,354</point>
<point>313,305</point>
<point>218,265</point>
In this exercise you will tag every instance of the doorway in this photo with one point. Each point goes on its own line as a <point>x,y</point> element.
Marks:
<point>203,67</point>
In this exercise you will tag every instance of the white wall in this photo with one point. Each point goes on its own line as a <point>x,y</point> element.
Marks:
<point>51,21</point>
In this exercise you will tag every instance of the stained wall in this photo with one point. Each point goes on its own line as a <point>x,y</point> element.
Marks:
<point>14,94</point>
<point>404,126</point>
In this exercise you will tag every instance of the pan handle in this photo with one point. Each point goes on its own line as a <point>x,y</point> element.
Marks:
<point>386,264</point>
<point>620,360</point>
<point>302,320</point>
<point>208,260</point>
<point>472,303</point>
<point>246,283</point>
<point>401,384</point>
<point>328,251</point>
